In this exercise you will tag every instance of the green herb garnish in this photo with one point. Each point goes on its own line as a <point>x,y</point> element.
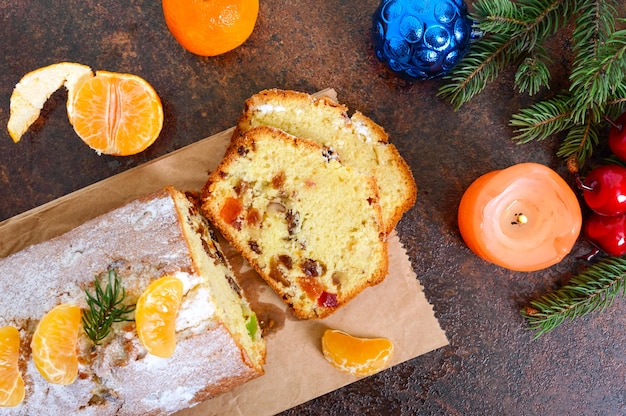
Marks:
<point>105,308</point>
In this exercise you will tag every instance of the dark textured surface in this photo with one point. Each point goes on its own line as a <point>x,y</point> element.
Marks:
<point>492,365</point>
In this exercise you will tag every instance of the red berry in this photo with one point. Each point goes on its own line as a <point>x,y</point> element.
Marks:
<point>607,233</point>
<point>604,190</point>
<point>617,137</point>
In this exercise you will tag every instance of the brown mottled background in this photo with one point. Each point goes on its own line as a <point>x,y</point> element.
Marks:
<point>492,365</point>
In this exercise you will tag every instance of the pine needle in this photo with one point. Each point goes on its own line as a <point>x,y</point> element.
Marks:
<point>105,308</point>
<point>592,290</point>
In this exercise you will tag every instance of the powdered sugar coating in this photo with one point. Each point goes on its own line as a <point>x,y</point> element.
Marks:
<point>145,233</point>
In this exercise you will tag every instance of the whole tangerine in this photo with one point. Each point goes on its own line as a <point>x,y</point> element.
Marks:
<point>210,27</point>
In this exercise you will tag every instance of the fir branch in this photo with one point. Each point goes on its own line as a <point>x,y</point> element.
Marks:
<point>546,17</point>
<point>542,119</point>
<point>592,290</point>
<point>580,142</point>
<point>500,17</point>
<point>512,32</point>
<point>533,73</point>
<point>481,65</point>
<point>595,20</point>
<point>594,78</point>
<point>105,308</point>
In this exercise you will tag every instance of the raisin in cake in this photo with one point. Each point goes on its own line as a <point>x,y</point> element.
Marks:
<point>357,140</point>
<point>160,234</point>
<point>310,225</point>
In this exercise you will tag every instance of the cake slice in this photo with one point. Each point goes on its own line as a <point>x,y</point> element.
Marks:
<point>357,139</point>
<point>218,342</point>
<point>310,225</point>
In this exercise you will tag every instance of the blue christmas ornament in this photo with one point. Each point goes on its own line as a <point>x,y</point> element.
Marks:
<point>421,39</point>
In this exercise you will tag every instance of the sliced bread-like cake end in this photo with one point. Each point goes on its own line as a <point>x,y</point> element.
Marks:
<point>357,139</point>
<point>309,225</point>
<point>233,309</point>
<point>161,234</point>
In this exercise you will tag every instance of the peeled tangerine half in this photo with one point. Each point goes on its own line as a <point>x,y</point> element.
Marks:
<point>523,218</point>
<point>54,344</point>
<point>354,355</point>
<point>11,382</point>
<point>155,315</point>
<point>116,114</point>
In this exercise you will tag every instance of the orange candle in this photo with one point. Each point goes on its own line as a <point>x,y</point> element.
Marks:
<point>523,218</point>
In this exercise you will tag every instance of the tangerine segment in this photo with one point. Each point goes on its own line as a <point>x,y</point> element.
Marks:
<point>354,355</point>
<point>54,344</point>
<point>210,28</point>
<point>11,382</point>
<point>155,315</point>
<point>33,90</point>
<point>116,114</point>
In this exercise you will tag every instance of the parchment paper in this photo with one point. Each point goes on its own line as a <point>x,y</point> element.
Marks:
<point>295,371</point>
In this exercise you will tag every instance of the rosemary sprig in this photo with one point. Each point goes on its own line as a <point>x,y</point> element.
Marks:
<point>593,289</point>
<point>105,308</point>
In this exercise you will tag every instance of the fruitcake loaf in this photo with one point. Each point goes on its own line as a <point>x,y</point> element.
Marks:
<point>217,346</point>
<point>310,225</point>
<point>357,139</point>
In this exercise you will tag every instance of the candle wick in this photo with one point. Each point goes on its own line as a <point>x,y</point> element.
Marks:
<point>520,219</point>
